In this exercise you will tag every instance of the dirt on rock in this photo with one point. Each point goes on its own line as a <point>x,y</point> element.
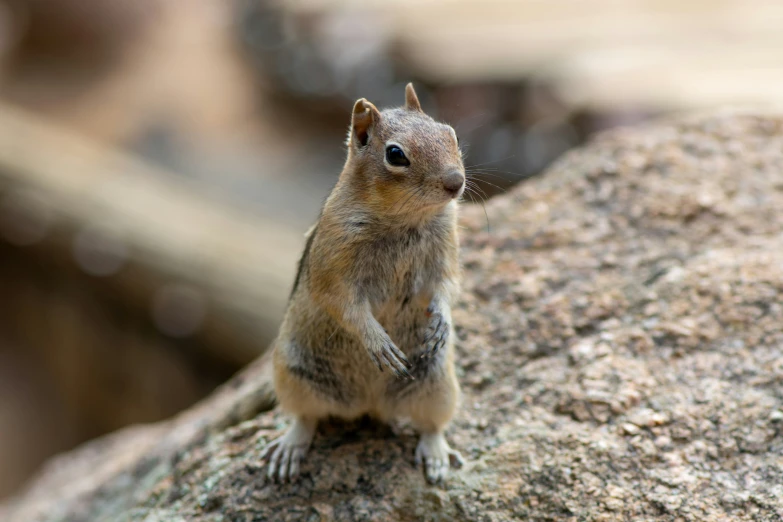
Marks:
<point>620,350</point>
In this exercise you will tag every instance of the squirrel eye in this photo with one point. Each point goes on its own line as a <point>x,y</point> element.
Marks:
<point>395,156</point>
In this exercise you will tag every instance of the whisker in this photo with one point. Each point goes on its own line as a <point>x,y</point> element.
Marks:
<point>491,162</point>
<point>406,201</point>
<point>469,191</point>
<point>398,200</point>
<point>486,173</point>
<point>418,197</point>
<point>469,183</point>
<point>472,192</point>
<point>333,333</point>
<point>410,196</point>
<point>486,216</point>
<point>489,171</point>
<point>486,197</point>
<point>502,189</point>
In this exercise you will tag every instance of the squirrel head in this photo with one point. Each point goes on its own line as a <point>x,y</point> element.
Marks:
<point>403,161</point>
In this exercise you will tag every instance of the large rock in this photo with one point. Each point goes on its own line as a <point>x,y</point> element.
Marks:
<point>620,349</point>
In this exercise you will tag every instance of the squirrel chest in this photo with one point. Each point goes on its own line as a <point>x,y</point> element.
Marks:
<point>399,267</point>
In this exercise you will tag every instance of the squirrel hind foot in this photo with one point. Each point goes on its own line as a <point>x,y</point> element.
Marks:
<point>437,456</point>
<point>286,453</point>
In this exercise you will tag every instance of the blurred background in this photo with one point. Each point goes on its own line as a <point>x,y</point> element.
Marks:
<point>160,161</point>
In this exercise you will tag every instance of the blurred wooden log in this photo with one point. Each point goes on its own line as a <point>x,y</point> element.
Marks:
<point>191,266</point>
<point>601,54</point>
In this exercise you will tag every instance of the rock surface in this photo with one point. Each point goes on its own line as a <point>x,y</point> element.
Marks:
<point>620,350</point>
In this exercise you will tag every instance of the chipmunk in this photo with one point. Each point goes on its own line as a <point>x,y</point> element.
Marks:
<point>368,327</point>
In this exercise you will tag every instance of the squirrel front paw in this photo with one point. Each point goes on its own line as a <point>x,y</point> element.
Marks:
<point>436,335</point>
<point>386,354</point>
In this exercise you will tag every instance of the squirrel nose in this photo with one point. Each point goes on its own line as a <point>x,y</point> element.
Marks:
<point>453,182</point>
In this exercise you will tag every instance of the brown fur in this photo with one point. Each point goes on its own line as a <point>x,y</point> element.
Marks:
<point>377,276</point>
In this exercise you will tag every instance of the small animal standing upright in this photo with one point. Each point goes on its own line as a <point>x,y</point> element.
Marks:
<point>368,328</point>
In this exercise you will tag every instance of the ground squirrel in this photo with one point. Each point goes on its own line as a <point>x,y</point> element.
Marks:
<point>368,327</point>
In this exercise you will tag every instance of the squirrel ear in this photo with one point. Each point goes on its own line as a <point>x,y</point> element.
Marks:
<point>411,100</point>
<point>365,116</point>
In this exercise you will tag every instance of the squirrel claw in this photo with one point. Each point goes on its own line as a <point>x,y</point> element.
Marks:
<point>376,361</point>
<point>392,357</point>
<point>399,368</point>
<point>436,336</point>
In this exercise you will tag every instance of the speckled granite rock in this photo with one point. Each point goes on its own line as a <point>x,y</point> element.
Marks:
<point>620,348</point>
